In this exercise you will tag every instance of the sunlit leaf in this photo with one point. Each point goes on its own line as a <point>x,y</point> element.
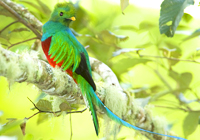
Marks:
<point>194,34</point>
<point>126,27</point>
<point>44,7</point>
<point>125,50</point>
<point>40,96</point>
<point>171,14</point>
<point>44,105</point>
<point>110,38</point>
<point>64,107</point>
<point>183,80</point>
<point>81,17</point>
<point>42,117</point>
<point>146,25</point>
<point>125,63</point>
<point>190,123</point>
<point>124,4</point>
<point>171,50</point>
<point>187,17</point>
<point>10,126</point>
<point>28,137</point>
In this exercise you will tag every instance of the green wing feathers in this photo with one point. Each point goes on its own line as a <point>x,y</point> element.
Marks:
<point>63,51</point>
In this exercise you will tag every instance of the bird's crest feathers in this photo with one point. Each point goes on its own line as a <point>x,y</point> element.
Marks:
<point>63,13</point>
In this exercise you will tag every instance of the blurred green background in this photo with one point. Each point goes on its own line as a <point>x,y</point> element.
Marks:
<point>115,39</point>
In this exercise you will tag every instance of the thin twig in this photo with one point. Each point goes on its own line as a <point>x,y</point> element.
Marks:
<point>169,58</point>
<point>80,111</point>
<point>39,36</point>
<point>8,26</point>
<point>41,111</point>
<point>33,115</point>
<point>178,108</point>
<point>22,42</point>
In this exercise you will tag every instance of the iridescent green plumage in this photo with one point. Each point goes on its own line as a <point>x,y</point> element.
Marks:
<point>68,53</point>
<point>63,49</point>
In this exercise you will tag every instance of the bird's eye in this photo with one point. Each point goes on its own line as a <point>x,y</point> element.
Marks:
<point>61,13</point>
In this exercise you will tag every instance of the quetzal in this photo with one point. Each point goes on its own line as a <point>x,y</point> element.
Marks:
<point>63,49</point>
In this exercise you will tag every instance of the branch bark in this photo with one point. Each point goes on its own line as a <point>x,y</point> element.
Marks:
<point>25,68</point>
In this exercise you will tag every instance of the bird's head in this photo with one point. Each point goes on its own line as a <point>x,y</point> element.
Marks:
<point>63,13</point>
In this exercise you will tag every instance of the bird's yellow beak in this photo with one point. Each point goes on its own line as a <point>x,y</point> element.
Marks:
<point>72,18</point>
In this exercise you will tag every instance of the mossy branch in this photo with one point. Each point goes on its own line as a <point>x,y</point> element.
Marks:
<point>26,68</point>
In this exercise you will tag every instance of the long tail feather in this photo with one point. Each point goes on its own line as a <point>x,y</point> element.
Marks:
<point>93,113</point>
<point>111,115</point>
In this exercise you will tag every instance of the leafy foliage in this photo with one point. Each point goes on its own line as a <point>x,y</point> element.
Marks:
<point>191,123</point>
<point>171,14</point>
<point>155,69</point>
<point>44,105</point>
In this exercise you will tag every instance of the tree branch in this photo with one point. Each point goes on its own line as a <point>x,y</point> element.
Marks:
<point>14,9</point>
<point>8,26</point>
<point>169,58</point>
<point>25,68</point>
<point>21,42</point>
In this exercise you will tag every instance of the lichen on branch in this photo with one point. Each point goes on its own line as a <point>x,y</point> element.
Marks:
<point>28,68</point>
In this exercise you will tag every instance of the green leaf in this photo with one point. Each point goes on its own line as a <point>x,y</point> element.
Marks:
<point>44,7</point>
<point>187,17</point>
<point>42,117</point>
<point>40,96</point>
<point>44,105</point>
<point>110,38</point>
<point>171,51</point>
<point>194,34</point>
<point>146,25</point>
<point>64,107</point>
<point>183,80</point>
<point>125,50</point>
<point>10,126</point>
<point>126,27</point>
<point>171,14</point>
<point>122,65</point>
<point>190,123</point>
<point>124,4</point>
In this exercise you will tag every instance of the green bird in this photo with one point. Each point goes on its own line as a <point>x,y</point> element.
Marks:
<point>63,49</point>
